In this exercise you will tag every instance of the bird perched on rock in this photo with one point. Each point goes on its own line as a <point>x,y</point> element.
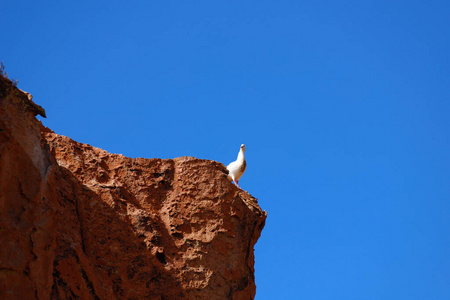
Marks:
<point>237,168</point>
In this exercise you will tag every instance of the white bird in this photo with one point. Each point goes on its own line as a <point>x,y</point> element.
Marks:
<point>237,168</point>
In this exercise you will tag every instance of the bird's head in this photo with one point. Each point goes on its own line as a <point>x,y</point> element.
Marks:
<point>243,148</point>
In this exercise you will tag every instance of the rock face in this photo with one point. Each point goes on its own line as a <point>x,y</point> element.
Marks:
<point>79,222</point>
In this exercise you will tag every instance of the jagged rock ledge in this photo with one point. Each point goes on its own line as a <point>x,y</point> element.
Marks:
<point>79,222</point>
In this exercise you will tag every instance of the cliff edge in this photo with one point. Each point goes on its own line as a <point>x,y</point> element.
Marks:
<point>77,222</point>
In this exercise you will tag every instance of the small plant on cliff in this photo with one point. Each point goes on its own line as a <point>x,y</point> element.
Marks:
<point>5,74</point>
<point>2,70</point>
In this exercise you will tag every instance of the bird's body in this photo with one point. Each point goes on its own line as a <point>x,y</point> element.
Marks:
<point>237,168</point>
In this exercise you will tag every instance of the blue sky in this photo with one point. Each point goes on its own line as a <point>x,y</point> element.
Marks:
<point>343,107</point>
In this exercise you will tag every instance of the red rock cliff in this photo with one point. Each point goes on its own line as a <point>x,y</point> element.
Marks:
<point>79,222</point>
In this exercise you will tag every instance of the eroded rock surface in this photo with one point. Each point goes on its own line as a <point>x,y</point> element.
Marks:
<point>79,222</point>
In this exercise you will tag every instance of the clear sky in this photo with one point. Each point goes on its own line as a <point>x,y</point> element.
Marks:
<point>343,106</point>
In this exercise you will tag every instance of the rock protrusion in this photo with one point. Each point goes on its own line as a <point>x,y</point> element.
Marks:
<point>79,222</point>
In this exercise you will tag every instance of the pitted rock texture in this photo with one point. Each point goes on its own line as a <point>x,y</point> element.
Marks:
<point>79,222</point>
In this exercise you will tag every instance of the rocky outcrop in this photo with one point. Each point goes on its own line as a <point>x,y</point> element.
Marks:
<point>79,222</point>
